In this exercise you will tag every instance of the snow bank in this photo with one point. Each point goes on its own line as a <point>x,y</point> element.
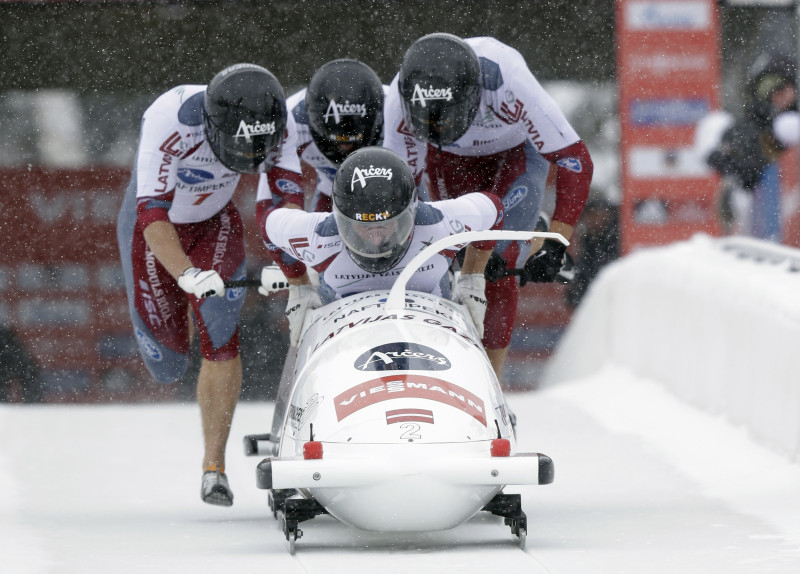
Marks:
<point>716,321</point>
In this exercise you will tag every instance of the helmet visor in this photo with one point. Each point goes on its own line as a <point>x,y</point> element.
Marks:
<point>374,243</point>
<point>440,122</point>
<point>337,146</point>
<point>337,135</point>
<point>251,146</point>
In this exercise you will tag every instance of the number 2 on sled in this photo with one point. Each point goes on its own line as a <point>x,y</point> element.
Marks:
<point>411,432</point>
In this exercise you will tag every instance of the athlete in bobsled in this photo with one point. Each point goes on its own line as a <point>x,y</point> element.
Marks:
<point>389,415</point>
<point>377,225</point>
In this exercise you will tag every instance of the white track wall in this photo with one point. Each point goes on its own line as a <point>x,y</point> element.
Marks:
<point>716,321</point>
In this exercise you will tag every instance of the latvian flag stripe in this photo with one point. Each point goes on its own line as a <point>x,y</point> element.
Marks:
<point>409,415</point>
<point>297,244</point>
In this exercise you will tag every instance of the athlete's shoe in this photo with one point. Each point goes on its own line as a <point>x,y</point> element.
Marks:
<point>215,488</point>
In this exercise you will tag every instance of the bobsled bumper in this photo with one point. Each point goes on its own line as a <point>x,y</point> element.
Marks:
<point>404,495</point>
<point>517,469</point>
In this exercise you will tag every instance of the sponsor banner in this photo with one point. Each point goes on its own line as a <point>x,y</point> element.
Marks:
<point>402,357</point>
<point>675,15</point>
<point>668,112</point>
<point>58,313</point>
<point>61,278</point>
<point>409,386</point>
<point>668,61</point>
<point>64,215</point>
<point>668,66</point>
<point>645,162</point>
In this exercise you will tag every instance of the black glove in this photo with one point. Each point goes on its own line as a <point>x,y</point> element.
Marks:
<point>543,265</point>
<point>495,268</point>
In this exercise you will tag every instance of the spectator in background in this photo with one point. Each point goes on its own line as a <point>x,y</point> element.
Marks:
<point>19,371</point>
<point>748,148</point>
<point>180,236</point>
<point>597,245</point>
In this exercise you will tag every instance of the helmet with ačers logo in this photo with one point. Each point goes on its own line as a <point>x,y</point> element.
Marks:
<point>344,107</point>
<point>440,89</point>
<point>244,114</point>
<point>375,205</point>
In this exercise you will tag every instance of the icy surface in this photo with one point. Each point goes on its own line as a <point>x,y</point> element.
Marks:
<point>648,478</point>
<point>644,483</point>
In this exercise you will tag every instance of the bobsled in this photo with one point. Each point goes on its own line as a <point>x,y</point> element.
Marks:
<point>390,418</point>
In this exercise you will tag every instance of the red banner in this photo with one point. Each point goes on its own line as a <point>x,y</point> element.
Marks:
<point>61,283</point>
<point>668,71</point>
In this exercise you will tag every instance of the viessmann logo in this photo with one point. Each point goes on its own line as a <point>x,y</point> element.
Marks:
<point>402,356</point>
<point>336,111</point>
<point>423,95</point>
<point>247,131</point>
<point>409,385</point>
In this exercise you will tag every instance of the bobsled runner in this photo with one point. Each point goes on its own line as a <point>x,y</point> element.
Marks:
<point>389,417</point>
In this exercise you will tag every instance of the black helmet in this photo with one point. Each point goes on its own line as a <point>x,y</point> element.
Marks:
<point>440,88</point>
<point>245,117</point>
<point>374,204</point>
<point>344,106</point>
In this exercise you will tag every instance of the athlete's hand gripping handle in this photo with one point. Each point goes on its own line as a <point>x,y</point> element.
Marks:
<point>272,280</point>
<point>470,291</point>
<point>201,283</point>
<point>301,299</point>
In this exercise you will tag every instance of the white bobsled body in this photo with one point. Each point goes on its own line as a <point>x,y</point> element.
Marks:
<point>398,398</point>
<point>398,394</point>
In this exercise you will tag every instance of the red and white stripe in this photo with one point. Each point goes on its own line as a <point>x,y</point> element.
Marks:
<point>409,415</point>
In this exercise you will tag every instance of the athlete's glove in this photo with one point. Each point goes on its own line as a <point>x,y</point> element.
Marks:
<point>201,283</point>
<point>470,291</point>
<point>301,299</point>
<point>495,268</point>
<point>272,279</point>
<point>544,265</point>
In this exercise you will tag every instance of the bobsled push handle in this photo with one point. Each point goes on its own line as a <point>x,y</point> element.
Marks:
<point>237,283</point>
<point>396,299</point>
<point>272,280</point>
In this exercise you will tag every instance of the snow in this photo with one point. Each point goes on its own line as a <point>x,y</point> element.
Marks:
<point>647,480</point>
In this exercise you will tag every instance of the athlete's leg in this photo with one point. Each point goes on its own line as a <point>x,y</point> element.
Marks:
<point>501,310</point>
<point>522,204</point>
<point>498,359</point>
<point>219,384</point>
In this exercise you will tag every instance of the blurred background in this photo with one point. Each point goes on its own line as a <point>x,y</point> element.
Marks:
<point>76,77</point>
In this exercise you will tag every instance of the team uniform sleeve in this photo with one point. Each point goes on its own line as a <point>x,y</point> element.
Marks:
<point>491,214</point>
<point>284,182</point>
<point>573,179</point>
<point>156,167</point>
<point>281,185</point>
<point>290,238</point>
<point>396,136</point>
<point>538,114</point>
<point>475,211</point>
<point>534,111</point>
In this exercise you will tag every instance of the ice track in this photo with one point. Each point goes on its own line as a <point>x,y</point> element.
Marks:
<point>643,484</point>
